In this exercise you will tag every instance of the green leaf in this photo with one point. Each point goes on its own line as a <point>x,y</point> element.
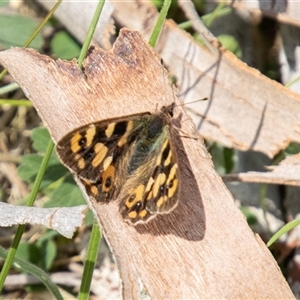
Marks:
<point>251,217</point>
<point>228,159</point>
<point>89,218</point>
<point>16,29</point>
<point>29,166</point>
<point>30,163</point>
<point>48,250</point>
<point>66,194</point>
<point>293,148</point>
<point>64,46</point>
<point>40,137</point>
<point>41,253</point>
<point>231,44</point>
<point>222,157</point>
<point>53,173</point>
<point>28,252</point>
<point>57,183</point>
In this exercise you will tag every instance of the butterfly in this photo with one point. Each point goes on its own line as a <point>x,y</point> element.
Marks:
<point>131,158</point>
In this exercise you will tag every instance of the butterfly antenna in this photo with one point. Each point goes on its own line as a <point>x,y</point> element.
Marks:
<point>186,103</point>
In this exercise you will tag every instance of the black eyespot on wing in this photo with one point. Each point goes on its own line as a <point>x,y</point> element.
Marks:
<point>82,142</point>
<point>88,155</point>
<point>132,197</point>
<point>108,182</point>
<point>166,152</point>
<point>138,207</point>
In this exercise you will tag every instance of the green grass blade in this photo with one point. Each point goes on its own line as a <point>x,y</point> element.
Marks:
<point>9,88</point>
<point>21,102</point>
<point>285,229</point>
<point>49,15</point>
<point>90,33</point>
<point>159,23</point>
<point>13,249</point>
<point>90,262</point>
<point>35,271</point>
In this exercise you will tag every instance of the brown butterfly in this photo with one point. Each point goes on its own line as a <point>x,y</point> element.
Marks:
<point>131,158</point>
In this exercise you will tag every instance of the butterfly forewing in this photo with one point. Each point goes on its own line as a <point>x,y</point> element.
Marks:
<point>93,152</point>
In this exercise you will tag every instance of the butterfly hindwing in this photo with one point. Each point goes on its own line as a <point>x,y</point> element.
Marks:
<point>153,186</point>
<point>157,193</point>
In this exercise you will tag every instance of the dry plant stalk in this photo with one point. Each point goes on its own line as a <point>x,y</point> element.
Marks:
<point>204,248</point>
<point>65,220</point>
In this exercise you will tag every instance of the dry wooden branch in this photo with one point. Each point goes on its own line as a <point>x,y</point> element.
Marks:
<point>65,220</point>
<point>246,111</point>
<point>204,248</point>
<point>287,172</point>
